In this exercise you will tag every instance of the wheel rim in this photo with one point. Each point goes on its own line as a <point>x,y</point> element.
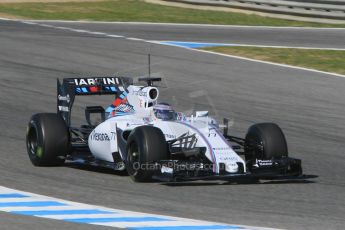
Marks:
<point>255,148</point>
<point>133,158</point>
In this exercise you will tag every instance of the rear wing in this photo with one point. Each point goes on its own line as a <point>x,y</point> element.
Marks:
<point>71,87</point>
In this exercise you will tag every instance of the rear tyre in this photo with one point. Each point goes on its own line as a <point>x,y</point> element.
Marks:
<point>47,139</point>
<point>265,141</point>
<point>145,145</point>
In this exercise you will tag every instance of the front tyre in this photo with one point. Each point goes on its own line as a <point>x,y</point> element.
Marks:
<point>265,141</point>
<point>145,146</point>
<point>47,139</point>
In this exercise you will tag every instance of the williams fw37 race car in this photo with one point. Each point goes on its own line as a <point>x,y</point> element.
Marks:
<point>150,140</point>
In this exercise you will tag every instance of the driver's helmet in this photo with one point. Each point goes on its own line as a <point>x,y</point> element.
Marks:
<point>164,111</point>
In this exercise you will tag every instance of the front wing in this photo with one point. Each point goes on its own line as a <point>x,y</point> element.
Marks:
<point>276,169</point>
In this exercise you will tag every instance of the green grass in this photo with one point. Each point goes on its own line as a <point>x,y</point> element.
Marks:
<point>136,10</point>
<point>324,60</point>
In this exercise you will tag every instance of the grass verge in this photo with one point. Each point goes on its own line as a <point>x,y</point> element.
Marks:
<point>324,60</point>
<point>137,10</point>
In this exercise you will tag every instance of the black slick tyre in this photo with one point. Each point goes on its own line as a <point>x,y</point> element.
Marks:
<point>265,141</point>
<point>145,145</point>
<point>47,139</point>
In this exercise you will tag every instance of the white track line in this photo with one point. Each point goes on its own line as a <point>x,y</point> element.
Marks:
<point>197,50</point>
<point>244,45</point>
<point>253,60</point>
<point>190,24</point>
<point>272,63</point>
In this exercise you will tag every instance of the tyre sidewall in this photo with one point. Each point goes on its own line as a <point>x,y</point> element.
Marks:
<point>151,148</point>
<point>35,127</point>
<point>52,140</point>
<point>136,174</point>
<point>270,137</point>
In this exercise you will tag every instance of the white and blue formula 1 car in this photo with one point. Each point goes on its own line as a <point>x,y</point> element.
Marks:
<point>152,141</point>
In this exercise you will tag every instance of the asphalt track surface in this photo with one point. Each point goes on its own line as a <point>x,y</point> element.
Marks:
<point>311,37</point>
<point>308,106</point>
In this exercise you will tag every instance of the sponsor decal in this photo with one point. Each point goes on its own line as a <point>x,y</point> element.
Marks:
<point>228,158</point>
<point>264,162</point>
<point>102,136</point>
<point>63,108</point>
<point>96,81</point>
<point>64,98</point>
<point>221,148</point>
<point>139,93</point>
<point>259,163</point>
<point>223,154</point>
<point>171,136</point>
<point>134,124</point>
